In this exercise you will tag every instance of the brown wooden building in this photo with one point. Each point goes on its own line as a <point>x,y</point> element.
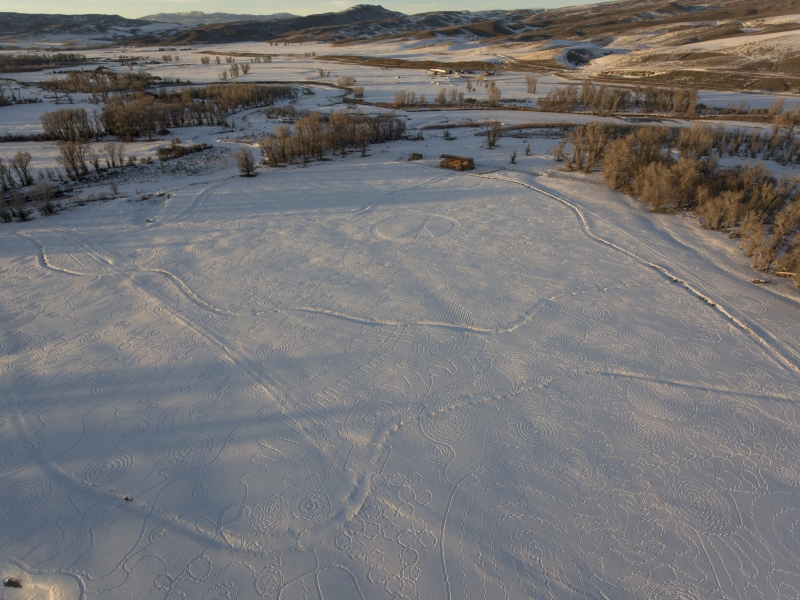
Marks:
<point>459,163</point>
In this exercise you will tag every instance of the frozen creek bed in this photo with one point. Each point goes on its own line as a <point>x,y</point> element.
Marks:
<point>367,380</point>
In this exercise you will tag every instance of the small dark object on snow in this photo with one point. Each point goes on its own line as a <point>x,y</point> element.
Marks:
<point>13,582</point>
<point>128,499</point>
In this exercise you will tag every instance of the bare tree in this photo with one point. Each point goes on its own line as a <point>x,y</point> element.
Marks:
<point>21,166</point>
<point>531,82</point>
<point>205,60</point>
<point>6,180</point>
<point>558,151</point>
<point>72,156</point>
<point>94,159</point>
<point>787,121</point>
<point>441,97</point>
<point>217,59</point>
<point>493,133</point>
<point>493,95</point>
<point>513,157</point>
<point>245,162</point>
<point>588,143</point>
<point>223,76</point>
<point>42,195</point>
<point>245,68</point>
<point>234,70</point>
<point>654,185</point>
<point>114,153</point>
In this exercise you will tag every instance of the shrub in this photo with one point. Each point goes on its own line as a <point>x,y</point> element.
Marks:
<point>176,150</point>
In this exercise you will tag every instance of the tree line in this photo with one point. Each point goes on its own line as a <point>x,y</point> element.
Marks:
<point>315,135</point>
<point>606,100</point>
<point>679,169</point>
<point>100,82</point>
<point>17,63</point>
<point>128,116</point>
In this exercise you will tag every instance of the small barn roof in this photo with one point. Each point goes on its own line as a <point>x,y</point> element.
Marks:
<point>453,157</point>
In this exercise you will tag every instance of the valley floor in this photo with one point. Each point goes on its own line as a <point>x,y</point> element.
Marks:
<point>376,379</point>
<point>370,377</point>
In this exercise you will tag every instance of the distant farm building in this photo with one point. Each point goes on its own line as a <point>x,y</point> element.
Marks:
<point>459,163</point>
<point>441,71</point>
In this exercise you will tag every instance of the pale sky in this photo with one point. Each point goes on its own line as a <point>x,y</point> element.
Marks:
<point>298,7</point>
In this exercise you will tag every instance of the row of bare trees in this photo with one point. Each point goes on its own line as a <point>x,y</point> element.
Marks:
<point>315,135</point>
<point>604,99</point>
<point>444,97</point>
<point>140,113</point>
<point>259,58</point>
<point>76,157</point>
<point>234,71</point>
<point>100,82</point>
<point>14,63</point>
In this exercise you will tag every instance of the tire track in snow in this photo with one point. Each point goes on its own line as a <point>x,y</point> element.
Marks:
<point>197,202</point>
<point>185,289</point>
<point>773,352</point>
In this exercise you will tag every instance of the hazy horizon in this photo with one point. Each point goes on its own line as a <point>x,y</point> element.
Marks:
<point>300,8</point>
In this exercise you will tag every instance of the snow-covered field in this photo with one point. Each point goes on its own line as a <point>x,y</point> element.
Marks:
<point>374,378</point>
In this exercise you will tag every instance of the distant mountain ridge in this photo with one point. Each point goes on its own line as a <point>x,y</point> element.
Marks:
<point>12,23</point>
<point>255,31</point>
<point>197,17</point>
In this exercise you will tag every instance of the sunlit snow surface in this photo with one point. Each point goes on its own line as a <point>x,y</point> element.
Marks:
<point>374,379</point>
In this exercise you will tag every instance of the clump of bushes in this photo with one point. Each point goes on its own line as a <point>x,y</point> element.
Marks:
<point>678,170</point>
<point>175,149</point>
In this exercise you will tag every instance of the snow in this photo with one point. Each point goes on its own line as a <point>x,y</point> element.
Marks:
<point>788,39</point>
<point>370,377</point>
